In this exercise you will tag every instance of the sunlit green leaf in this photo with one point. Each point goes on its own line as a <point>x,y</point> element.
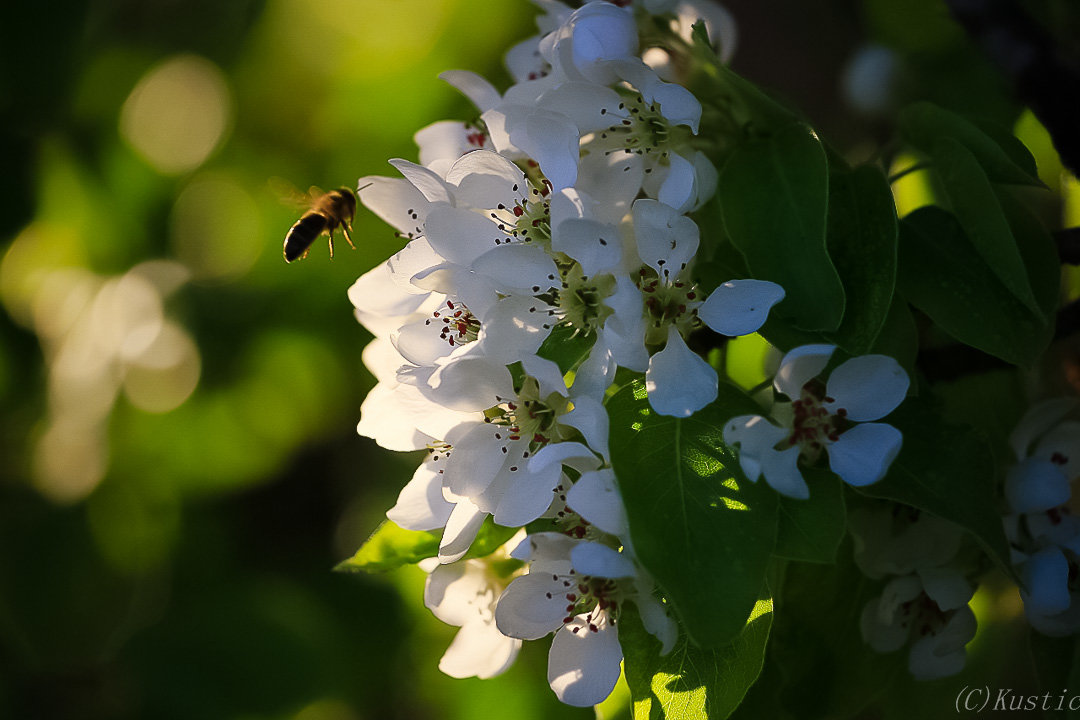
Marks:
<point>691,683</point>
<point>702,530</point>
<point>774,197</point>
<point>391,546</point>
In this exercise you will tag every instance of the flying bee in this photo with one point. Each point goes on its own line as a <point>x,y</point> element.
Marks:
<point>326,211</point>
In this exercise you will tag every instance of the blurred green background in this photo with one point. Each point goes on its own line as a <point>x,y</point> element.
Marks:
<point>180,469</point>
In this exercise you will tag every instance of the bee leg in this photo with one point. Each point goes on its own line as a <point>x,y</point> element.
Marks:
<point>331,246</point>
<point>345,230</point>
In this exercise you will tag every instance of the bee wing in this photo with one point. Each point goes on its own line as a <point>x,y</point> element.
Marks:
<point>287,194</point>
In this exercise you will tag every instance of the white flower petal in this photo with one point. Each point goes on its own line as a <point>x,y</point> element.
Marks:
<point>461,529</point>
<point>594,244</point>
<point>1046,582</point>
<point>755,436</point>
<point>533,605</point>
<point>387,416</point>
<point>1062,444</point>
<point>678,188</point>
<point>656,620</point>
<point>479,650</point>
<point>882,635</point>
<point>666,239</point>
<point>590,418</point>
<point>524,60</point>
<point>420,504</point>
<point>430,185</point>
<point>946,587</point>
<point>781,471</point>
<point>461,236</point>
<point>520,267</point>
<point>943,654</point>
<point>573,454</point>
<point>596,498</point>
<point>678,381</point>
<point>584,664</point>
<point>486,180</point>
<point>1036,421</point>
<point>800,366</point>
<point>482,93</point>
<point>868,387</point>
<point>395,201</point>
<point>863,453</point>
<point>740,307</point>
<point>591,107</point>
<point>1035,485</point>
<point>549,138</point>
<point>528,495</point>
<point>594,559</point>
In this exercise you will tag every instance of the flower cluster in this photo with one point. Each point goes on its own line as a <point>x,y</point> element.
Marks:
<point>925,601</point>
<point>1043,533</point>
<point>559,219</point>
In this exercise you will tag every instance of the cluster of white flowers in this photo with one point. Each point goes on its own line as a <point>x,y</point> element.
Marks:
<point>925,601</point>
<point>1043,534</point>
<point>565,206</point>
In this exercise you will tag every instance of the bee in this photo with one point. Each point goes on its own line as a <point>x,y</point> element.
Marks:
<point>325,213</point>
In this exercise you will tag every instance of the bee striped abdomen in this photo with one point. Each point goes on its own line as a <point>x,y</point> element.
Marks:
<point>303,233</point>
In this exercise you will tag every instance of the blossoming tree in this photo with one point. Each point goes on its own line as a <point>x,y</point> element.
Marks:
<point>579,260</point>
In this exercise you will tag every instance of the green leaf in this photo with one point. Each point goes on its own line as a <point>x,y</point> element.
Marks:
<point>1003,157</point>
<point>899,338</point>
<point>972,199</point>
<point>1038,251</point>
<point>862,236</point>
<point>941,274</point>
<point>947,470</point>
<point>811,530</point>
<point>817,645</point>
<point>566,347</point>
<point>691,683</point>
<point>698,525</point>
<point>390,547</point>
<point>774,199</point>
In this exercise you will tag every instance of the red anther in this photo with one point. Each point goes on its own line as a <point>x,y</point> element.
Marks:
<point>449,304</point>
<point>518,211</point>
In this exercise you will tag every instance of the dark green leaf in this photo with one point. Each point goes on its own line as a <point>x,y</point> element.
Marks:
<point>829,670</point>
<point>899,338</point>
<point>702,530</point>
<point>947,470</point>
<point>1038,251</point>
<point>1003,157</point>
<point>566,347</point>
<point>971,198</point>
<point>690,683</point>
<point>774,198</point>
<point>390,547</point>
<point>862,233</point>
<point>811,530</point>
<point>941,274</point>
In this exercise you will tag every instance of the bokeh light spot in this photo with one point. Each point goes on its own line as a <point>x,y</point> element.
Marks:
<point>178,114</point>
